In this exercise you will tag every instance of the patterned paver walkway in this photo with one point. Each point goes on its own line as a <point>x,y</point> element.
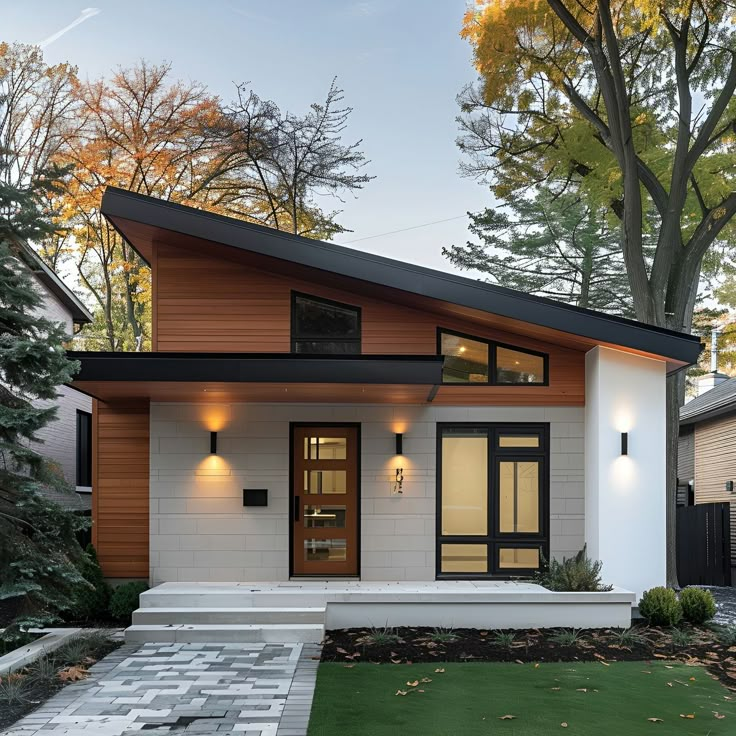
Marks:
<point>251,689</point>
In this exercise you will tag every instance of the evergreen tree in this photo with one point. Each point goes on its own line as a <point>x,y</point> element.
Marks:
<point>552,246</point>
<point>39,553</point>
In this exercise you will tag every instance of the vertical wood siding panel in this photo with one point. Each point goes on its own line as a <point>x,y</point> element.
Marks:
<point>121,482</point>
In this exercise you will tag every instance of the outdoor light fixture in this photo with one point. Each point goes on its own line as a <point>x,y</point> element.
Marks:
<point>624,443</point>
<point>399,443</point>
<point>213,443</point>
<point>729,486</point>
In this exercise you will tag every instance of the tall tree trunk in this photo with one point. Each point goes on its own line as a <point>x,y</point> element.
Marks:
<point>675,397</point>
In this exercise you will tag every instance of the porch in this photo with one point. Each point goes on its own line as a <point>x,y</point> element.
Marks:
<point>301,611</point>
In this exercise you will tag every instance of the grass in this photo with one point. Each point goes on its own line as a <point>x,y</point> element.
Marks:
<point>470,698</point>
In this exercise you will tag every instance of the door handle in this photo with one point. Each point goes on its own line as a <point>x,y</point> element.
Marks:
<point>296,508</point>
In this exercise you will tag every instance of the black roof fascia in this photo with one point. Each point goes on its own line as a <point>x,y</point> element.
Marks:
<point>50,279</point>
<point>258,368</point>
<point>706,415</point>
<point>399,275</point>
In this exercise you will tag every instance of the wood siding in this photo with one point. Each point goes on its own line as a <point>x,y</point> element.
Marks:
<point>715,463</point>
<point>206,304</point>
<point>120,478</point>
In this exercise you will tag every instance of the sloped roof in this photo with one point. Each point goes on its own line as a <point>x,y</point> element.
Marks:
<point>721,399</point>
<point>127,211</point>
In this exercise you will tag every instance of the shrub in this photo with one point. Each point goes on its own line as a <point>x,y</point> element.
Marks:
<point>727,636</point>
<point>567,637</point>
<point>578,573</point>
<point>504,639</point>
<point>442,635</point>
<point>660,607</point>
<point>91,600</point>
<point>628,637</point>
<point>380,637</point>
<point>681,638</point>
<point>698,605</point>
<point>124,599</point>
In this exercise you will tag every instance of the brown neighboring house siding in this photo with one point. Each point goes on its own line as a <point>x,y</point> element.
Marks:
<point>120,470</point>
<point>715,463</point>
<point>207,304</point>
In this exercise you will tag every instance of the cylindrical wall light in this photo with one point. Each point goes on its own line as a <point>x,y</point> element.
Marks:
<point>399,443</point>
<point>213,443</point>
<point>624,443</point>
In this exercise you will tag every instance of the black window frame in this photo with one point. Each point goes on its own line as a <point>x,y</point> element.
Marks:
<point>294,339</point>
<point>492,367</point>
<point>83,449</point>
<point>494,539</point>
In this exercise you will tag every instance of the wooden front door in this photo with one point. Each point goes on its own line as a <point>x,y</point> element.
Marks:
<point>325,502</point>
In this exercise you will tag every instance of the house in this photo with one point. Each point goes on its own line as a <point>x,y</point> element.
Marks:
<point>313,410</point>
<point>706,465</point>
<point>67,440</point>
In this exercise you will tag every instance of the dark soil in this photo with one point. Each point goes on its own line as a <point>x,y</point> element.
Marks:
<point>421,644</point>
<point>36,690</point>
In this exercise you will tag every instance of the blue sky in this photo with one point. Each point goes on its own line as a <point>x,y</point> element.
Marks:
<point>401,65</point>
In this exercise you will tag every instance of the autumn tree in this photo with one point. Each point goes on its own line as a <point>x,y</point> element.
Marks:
<point>553,246</point>
<point>631,102</point>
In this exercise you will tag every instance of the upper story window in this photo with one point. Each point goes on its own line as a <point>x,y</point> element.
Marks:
<point>84,448</point>
<point>475,360</point>
<point>323,326</point>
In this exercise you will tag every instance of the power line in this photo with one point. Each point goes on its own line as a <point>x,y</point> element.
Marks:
<point>404,229</point>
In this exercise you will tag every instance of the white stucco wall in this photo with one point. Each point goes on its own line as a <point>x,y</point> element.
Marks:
<point>625,495</point>
<point>201,531</point>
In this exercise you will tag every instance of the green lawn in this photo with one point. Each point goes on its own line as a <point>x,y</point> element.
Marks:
<point>469,699</point>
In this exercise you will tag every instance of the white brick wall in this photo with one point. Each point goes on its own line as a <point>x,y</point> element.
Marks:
<point>201,531</point>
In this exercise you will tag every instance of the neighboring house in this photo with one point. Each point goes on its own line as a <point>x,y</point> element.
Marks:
<point>313,410</point>
<point>706,465</point>
<point>67,440</point>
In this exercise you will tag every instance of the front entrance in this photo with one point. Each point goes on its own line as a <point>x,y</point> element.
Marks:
<point>325,500</point>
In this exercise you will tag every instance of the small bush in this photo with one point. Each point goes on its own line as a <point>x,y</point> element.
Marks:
<point>628,637</point>
<point>681,638</point>
<point>727,636</point>
<point>91,600</point>
<point>504,639</point>
<point>698,605</point>
<point>567,637</point>
<point>125,599</point>
<point>660,607</point>
<point>380,637</point>
<point>578,573</point>
<point>442,635</point>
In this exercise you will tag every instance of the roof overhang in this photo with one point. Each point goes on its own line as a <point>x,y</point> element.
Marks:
<point>257,377</point>
<point>142,221</point>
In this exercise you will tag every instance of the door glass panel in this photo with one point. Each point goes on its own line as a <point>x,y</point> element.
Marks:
<point>324,517</point>
<point>466,360</point>
<point>325,481</point>
<point>515,366</point>
<point>325,550</point>
<point>519,496</point>
<point>464,558</point>
<point>325,448</point>
<point>510,440</point>
<point>465,483</point>
<point>510,557</point>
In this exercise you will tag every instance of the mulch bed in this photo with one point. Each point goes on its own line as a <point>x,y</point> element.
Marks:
<point>41,690</point>
<point>419,644</point>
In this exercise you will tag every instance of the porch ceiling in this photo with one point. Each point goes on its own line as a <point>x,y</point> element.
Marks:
<point>258,377</point>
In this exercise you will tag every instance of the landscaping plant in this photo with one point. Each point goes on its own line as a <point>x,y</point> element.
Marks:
<point>578,573</point>
<point>39,552</point>
<point>660,607</point>
<point>91,601</point>
<point>125,598</point>
<point>698,605</point>
<point>681,638</point>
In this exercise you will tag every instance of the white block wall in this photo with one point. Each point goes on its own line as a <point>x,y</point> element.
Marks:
<point>625,524</point>
<point>200,530</point>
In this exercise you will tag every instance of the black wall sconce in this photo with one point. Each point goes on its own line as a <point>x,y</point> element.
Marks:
<point>213,443</point>
<point>624,443</point>
<point>729,486</point>
<point>399,443</point>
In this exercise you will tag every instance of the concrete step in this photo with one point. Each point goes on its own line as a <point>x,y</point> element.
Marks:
<point>235,598</point>
<point>225,633</point>
<point>210,615</point>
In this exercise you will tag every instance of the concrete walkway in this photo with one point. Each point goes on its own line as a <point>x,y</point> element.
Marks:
<point>251,689</point>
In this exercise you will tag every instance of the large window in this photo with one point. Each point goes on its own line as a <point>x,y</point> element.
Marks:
<point>84,449</point>
<point>475,360</point>
<point>493,499</point>
<point>323,326</point>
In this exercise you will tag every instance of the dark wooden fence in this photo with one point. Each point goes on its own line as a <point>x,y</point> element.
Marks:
<point>704,544</point>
